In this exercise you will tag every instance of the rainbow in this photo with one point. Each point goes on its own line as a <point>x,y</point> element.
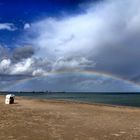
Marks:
<point>82,72</point>
<point>98,73</point>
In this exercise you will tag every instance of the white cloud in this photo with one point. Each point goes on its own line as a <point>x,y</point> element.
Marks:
<point>72,64</point>
<point>22,67</point>
<point>102,30</point>
<point>102,34</point>
<point>27,26</point>
<point>65,37</point>
<point>4,65</point>
<point>39,72</point>
<point>7,26</point>
<point>37,66</point>
<point>29,66</point>
<point>82,34</point>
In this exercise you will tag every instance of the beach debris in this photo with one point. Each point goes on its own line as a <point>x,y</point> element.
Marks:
<point>122,132</point>
<point>117,135</point>
<point>9,99</point>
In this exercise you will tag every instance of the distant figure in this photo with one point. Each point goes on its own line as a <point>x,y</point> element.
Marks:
<point>9,99</point>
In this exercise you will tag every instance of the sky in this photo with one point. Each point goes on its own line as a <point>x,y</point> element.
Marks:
<point>41,38</point>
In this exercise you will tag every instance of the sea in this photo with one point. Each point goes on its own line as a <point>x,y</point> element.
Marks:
<point>121,99</point>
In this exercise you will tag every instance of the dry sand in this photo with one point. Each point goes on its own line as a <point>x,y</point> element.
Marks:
<point>55,120</point>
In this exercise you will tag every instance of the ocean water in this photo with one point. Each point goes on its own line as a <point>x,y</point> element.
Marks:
<point>123,99</point>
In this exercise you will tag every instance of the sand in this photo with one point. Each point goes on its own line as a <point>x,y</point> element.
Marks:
<point>58,120</point>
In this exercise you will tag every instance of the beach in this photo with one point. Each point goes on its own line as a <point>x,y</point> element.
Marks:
<point>34,119</point>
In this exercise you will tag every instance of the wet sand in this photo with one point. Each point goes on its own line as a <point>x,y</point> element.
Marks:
<point>58,120</point>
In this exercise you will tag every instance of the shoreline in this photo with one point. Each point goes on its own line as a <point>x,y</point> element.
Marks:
<point>66,101</point>
<point>60,120</point>
<point>120,100</point>
<point>19,99</point>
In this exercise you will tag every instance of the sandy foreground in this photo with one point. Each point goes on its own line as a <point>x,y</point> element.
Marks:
<point>54,120</point>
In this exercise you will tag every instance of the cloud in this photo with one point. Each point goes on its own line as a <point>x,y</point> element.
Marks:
<point>39,66</point>
<point>105,33</point>
<point>103,37</point>
<point>4,52</point>
<point>39,72</point>
<point>72,64</point>
<point>7,26</point>
<point>26,26</point>
<point>29,66</point>
<point>17,61</point>
<point>4,65</point>
<point>23,52</point>
<point>22,67</point>
<point>65,37</point>
<point>20,61</point>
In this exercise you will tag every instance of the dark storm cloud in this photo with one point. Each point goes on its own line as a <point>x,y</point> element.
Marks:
<point>22,53</point>
<point>120,60</point>
<point>4,52</point>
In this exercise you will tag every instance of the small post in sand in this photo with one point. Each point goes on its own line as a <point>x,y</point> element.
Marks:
<point>9,99</point>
